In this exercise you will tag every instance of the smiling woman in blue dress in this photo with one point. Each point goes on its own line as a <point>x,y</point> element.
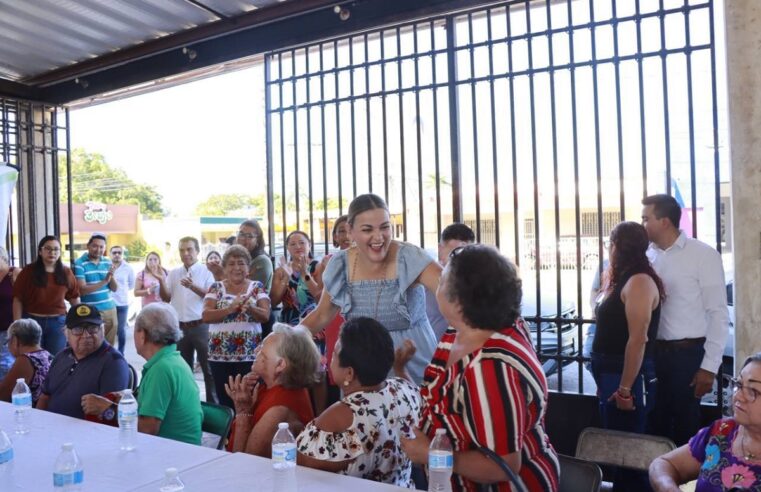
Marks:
<point>380,278</point>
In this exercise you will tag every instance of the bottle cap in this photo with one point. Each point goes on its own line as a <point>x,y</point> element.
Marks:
<point>171,472</point>
<point>21,380</point>
<point>440,431</point>
<point>67,446</point>
<point>282,425</point>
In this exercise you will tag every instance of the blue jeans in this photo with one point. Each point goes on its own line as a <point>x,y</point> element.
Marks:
<point>607,370</point>
<point>677,411</point>
<point>53,338</point>
<point>121,326</point>
<point>6,359</point>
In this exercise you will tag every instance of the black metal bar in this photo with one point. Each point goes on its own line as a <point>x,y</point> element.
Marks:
<point>353,124</point>
<point>401,137</point>
<point>436,132</point>
<point>418,144</point>
<point>715,132</point>
<point>691,122</point>
<point>383,110</point>
<point>208,9</point>
<point>495,167</point>
<point>309,156</point>
<point>268,149</point>
<point>535,174</point>
<point>326,226</point>
<point>619,122</point>
<point>30,176</point>
<point>666,126</point>
<point>339,171</point>
<point>367,118</point>
<point>641,82</point>
<point>297,191</point>
<point>473,106</point>
<point>454,124</point>
<point>513,152</point>
<point>556,182</point>
<point>284,210</point>
<point>69,202</point>
<point>596,112</point>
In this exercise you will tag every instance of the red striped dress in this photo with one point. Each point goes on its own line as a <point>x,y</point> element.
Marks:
<point>495,397</point>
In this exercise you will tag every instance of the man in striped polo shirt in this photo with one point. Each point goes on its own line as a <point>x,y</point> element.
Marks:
<point>95,276</point>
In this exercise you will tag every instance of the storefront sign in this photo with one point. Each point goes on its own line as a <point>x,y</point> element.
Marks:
<point>97,212</point>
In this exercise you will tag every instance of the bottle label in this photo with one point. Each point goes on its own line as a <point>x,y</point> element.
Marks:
<point>443,460</point>
<point>70,478</point>
<point>6,456</point>
<point>128,414</point>
<point>283,455</point>
<point>22,399</point>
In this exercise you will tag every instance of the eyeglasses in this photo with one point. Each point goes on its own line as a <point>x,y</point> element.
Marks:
<point>247,235</point>
<point>749,393</point>
<point>51,250</point>
<point>116,252</point>
<point>79,330</point>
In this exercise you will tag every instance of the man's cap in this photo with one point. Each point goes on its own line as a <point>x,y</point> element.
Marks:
<point>83,314</point>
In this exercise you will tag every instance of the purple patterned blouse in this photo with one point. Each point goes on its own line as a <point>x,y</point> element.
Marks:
<point>721,470</point>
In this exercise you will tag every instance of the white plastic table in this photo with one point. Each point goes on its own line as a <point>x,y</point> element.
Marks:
<point>245,472</point>
<point>106,468</point>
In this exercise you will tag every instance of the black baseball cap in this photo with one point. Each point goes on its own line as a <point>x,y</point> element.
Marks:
<point>83,314</point>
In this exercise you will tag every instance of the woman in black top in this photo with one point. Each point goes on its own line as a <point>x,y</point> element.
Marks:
<point>627,323</point>
<point>627,320</point>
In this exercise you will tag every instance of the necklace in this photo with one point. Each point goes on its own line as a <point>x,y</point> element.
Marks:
<point>379,289</point>
<point>746,454</point>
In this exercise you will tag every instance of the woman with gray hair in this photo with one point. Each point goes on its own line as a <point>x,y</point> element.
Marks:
<point>287,363</point>
<point>8,275</point>
<point>32,361</point>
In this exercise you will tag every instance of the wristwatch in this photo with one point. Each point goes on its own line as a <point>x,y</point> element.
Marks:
<point>109,413</point>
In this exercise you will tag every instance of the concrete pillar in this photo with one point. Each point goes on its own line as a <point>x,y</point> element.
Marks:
<point>743,32</point>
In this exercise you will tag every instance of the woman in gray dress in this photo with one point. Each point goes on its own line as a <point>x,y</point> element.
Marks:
<point>380,278</point>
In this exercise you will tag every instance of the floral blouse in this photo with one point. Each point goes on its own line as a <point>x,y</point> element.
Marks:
<point>721,470</point>
<point>237,336</point>
<point>372,442</point>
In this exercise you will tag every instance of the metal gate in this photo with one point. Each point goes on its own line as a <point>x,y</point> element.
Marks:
<point>541,123</point>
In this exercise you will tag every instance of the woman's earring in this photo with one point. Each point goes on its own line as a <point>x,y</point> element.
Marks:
<point>346,383</point>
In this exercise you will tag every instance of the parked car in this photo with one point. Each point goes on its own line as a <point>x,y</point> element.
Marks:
<point>546,338</point>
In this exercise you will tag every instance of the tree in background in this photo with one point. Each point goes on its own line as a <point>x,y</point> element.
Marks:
<point>92,179</point>
<point>222,204</point>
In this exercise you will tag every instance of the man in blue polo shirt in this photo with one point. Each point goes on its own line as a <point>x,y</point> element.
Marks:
<point>88,365</point>
<point>95,276</point>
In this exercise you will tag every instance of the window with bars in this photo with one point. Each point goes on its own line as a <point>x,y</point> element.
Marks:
<point>542,108</point>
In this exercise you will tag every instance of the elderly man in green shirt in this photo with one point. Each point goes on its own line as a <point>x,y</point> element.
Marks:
<point>169,404</point>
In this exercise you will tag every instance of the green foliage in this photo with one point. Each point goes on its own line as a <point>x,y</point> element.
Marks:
<point>92,179</point>
<point>220,205</point>
<point>137,249</point>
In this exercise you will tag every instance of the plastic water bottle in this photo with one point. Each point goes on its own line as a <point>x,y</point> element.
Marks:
<point>440,463</point>
<point>6,450</point>
<point>68,474</point>
<point>284,459</point>
<point>22,404</point>
<point>127,421</point>
<point>172,482</point>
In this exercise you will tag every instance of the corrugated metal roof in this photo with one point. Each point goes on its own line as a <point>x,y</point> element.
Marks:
<point>38,36</point>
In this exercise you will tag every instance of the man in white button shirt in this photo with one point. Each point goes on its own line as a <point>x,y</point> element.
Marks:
<point>185,288</point>
<point>694,319</point>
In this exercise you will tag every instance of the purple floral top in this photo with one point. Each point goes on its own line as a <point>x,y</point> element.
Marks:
<point>40,360</point>
<point>720,469</point>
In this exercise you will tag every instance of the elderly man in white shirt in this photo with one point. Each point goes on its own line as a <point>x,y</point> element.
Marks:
<point>694,319</point>
<point>185,288</point>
